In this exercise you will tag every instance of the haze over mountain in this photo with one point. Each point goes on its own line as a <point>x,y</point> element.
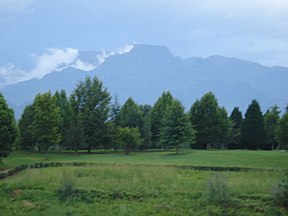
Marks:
<point>145,71</point>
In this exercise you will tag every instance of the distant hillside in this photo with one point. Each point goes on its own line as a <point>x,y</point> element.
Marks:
<point>146,71</point>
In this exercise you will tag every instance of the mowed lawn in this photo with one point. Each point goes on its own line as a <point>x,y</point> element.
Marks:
<point>223,158</point>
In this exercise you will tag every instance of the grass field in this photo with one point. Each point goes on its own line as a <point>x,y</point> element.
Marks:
<point>116,185</point>
<point>228,158</point>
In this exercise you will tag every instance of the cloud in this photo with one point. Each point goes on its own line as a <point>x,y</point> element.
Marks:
<point>9,73</point>
<point>125,49</point>
<point>53,60</point>
<point>84,66</point>
<point>104,54</point>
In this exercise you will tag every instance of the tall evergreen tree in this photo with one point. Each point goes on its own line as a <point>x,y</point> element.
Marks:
<point>131,115</point>
<point>158,113</point>
<point>75,133</point>
<point>223,127</point>
<point>146,129</point>
<point>252,130</point>
<point>46,119</point>
<point>282,131</point>
<point>209,120</point>
<point>25,134</point>
<point>177,129</point>
<point>8,129</point>
<point>235,134</point>
<point>146,132</point>
<point>115,111</point>
<point>66,118</point>
<point>271,119</point>
<point>90,102</point>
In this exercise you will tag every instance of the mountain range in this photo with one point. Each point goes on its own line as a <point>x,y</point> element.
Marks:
<point>146,71</point>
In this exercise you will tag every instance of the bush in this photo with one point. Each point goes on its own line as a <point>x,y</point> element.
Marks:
<point>3,175</point>
<point>280,195</point>
<point>217,193</point>
<point>67,189</point>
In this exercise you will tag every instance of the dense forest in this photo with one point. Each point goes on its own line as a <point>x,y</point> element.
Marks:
<point>91,119</point>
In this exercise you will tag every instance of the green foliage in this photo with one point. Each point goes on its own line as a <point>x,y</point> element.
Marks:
<point>131,115</point>
<point>223,127</point>
<point>129,138</point>
<point>26,138</point>
<point>132,190</point>
<point>252,131</point>
<point>158,113</point>
<point>146,129</point>
<point>282,132</point>
<point>274,160</point>
<point>46,118</point>
<point>146,132</point>
<point>235,127</point>
<point>271,119</point>
<point>115,112</point>
<point>90,103</point>
<point>66,119</point>
<point>177,129</point>
<point>210,122</point>
<point>8,129</point>
<point>217,191</point>
<point>280,193</point>
<point>66,189</point>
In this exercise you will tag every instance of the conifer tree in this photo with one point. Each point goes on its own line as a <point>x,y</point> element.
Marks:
<point>271,120</point>
<point>252,130</point>
<point>177,129</point>
<point>235,134</point>
<point>66,118</point>
<point>210,121</point>
<point>282,131</point>
<point>115,111</point>
<point>25,134</point>
<point>131,115</point>
<point>158,113</point>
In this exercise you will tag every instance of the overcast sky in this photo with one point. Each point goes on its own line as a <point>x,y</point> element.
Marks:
<point>255,30</point>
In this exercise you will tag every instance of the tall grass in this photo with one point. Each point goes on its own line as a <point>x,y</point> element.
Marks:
<point>132,190</point>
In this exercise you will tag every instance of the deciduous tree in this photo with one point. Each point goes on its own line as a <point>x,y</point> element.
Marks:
<point>8,129</point>
<point>45,127</point>
<point>90,102</point>
<point>129,138</point>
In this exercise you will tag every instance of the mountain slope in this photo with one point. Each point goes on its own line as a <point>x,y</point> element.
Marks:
<point>146,71</point>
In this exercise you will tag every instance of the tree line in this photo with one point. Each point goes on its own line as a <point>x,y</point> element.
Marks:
<point>91,119</point>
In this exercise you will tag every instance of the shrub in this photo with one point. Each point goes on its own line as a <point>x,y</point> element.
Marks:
<point>217,194</point>
<point>3,175</point>
<point>280,195</point>
<point>67,189</point>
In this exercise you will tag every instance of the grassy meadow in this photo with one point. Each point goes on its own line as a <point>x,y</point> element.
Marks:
<point>141,184</point>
